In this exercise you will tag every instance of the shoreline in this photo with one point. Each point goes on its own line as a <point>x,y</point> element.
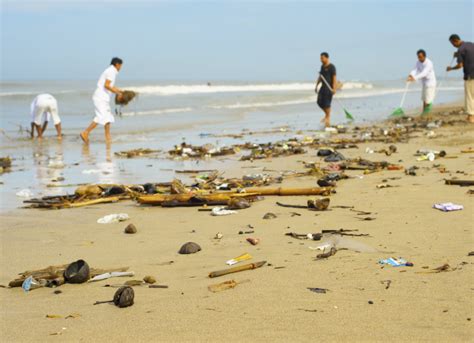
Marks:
<point>425,303</point>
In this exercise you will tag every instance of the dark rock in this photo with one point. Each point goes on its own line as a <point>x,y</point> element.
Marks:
<point>189,248</point>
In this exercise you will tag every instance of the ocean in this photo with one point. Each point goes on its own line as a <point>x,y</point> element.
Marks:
<point>166,114</point>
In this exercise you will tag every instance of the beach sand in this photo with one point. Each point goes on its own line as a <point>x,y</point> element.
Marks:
<point>275,305</point>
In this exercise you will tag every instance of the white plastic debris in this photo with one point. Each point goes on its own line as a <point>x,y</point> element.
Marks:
<point>56,164</point>
<point>25,193</point>
<point>113,218</point>
<point>448,206</point>
<point>221,211</point>
<point>91,171</point>
<point>369,150</point>
<point>106,276</point>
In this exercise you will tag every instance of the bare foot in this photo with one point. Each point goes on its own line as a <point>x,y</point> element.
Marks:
<point>84,137</point>
<point>60,138</point>
<point>470,118</point>
<point>327,123</point>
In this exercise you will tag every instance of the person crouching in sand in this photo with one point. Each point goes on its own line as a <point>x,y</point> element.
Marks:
<point>101,99</point>
<point>328,72</point>
<point>43,108</point>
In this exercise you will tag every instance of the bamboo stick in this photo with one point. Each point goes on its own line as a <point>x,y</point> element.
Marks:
<point>249,266</point>
<point>460,182</point>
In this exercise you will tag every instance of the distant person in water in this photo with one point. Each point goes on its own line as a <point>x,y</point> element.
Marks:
<point>327,79</point>
<point>465,60</point>
<point>101,99</point>
<point>43,108</point>
<point>424,71</point>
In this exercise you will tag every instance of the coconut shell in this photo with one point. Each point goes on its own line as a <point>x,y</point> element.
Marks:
<point>189,248</point>
<point>77,272</point>
<point>130,229</point>
<point>88,190</point>
<point>124,296</point>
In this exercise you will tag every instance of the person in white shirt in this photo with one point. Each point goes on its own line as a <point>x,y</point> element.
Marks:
<point>101,99</point>
<point>43,108</point>
<point>424,71</point>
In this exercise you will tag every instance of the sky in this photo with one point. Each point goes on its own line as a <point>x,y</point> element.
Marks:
<point>226,40</point>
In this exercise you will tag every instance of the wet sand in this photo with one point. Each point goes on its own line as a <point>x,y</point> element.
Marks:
<point>276,304</point>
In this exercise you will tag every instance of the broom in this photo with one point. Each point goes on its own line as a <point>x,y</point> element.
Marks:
<point>399,111</point>
<point>348,115</point>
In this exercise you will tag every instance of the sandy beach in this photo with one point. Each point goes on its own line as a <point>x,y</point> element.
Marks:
<point>364,301</point>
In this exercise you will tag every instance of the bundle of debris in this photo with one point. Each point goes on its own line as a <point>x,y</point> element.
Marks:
<point>194,151</point>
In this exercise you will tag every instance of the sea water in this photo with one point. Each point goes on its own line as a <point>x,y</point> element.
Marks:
<point>166,114</point>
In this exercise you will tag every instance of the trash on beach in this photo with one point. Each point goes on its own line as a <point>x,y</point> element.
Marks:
<point>136,153</point>
<point>5,164</point>
<point>411,171</point>
<point>77,272</point>
<point>56,164</point>
<point>106,276</point>
<point>316,205</point>
<point>332,241</point>
<point>113,218</point>
<point>237,269</point>
<point>396,262</point>
<point>318,290</point>
<point>269,215</point>
<point>441,269</point>
<point>54,276</point>
<point>238,259</point>
<point>428,157</point>
<point>193,151</point>
<point>253,241</point>
<point>25,193</point>
<point>221,211</point>
<point>222,286</point>
<point>30,283</point>
<point>462,183</point>
<point>448,207</point>
<point>218,235</point>
<point>238,203</point>
<point>149,279</point>
<point>91,171</point>
<point>123,297</point>
<point>130,229</point>
<point>189,248</point>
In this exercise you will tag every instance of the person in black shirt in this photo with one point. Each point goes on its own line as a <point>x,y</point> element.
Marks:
<point>465,60</point>
<point>328,72</point>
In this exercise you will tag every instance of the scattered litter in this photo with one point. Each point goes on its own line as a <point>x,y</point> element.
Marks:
<point>387,283</point>
<point>253,241</point>
<point>238,259</point>
<point>130,229</point>
<point>218,287</point>
<point>106,276</point>
<point>218,235</point>
<point>462,183</point>
<point>269,215</point>
<point>149,279</point>
<point>25,193</point>
<point>237,269</point>
<point>448,206</point>
<point>113,218</point>
<point>221,211</point>
<point>396,262</point>
<point>189,248</point>
<point>318,290</point>
<point>123,297</point>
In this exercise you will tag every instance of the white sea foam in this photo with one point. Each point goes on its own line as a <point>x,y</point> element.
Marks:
<point>236,88</point>
<point>157,112</point>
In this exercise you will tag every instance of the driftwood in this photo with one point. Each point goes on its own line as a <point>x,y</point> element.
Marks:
<point>55,274</point>
<point>249,266</point>
<point>463,183</point>
<point>190,199</point>
<point>289,191</point>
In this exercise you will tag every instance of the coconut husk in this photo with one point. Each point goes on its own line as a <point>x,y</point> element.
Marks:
<point>126,97</point>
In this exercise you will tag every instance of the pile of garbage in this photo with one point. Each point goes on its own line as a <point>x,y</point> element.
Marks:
<point>268,150</point>
<point>5,164</point>
<point>205,151</point>
<point>136,153</point>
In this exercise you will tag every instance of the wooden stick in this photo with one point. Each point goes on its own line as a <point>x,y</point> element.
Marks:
<point>460,182</point>
<point>237,269</point>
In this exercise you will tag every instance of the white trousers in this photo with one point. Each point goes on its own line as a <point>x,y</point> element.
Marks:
<point>44,109</point>
<point>103,113</point>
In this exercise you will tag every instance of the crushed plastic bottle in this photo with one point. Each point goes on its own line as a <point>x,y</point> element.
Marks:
<point>30,283</point>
